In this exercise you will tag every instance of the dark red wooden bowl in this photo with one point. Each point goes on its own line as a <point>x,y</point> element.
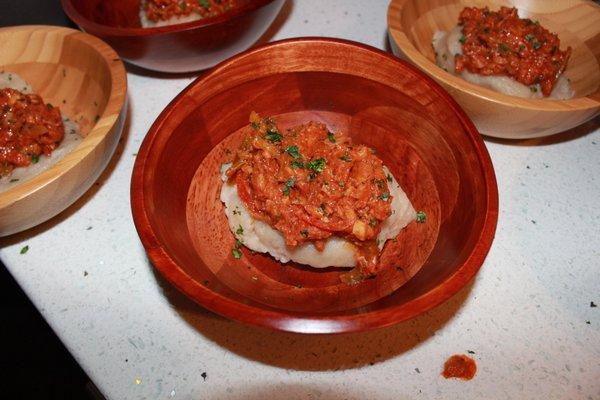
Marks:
<point>420,133</point>
<point>185,47</point>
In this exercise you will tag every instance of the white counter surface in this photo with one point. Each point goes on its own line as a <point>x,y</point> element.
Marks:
<point>527,316</point>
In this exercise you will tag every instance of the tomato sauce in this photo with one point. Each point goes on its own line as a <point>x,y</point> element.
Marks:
<point>310,183</point>
<point>460,366</point>
<point>501,43</point>
<point>162,10</point>
<point>28,129</point>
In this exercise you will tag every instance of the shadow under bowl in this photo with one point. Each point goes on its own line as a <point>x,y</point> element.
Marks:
<point>419,132</point>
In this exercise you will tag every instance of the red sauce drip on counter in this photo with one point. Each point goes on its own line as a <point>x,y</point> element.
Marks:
<point>28,129</point>
<point>161,10</point>
<point>501,43</point>
<point>310,184</point>
<point>460,366</point>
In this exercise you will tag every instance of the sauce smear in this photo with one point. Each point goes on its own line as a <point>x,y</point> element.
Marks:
<point>28,129</point>
<point>310,183</point>
<point>460,366</point>
<point>501,43</point>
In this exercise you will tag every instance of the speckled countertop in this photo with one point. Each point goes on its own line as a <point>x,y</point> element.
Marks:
<point>528,318</point>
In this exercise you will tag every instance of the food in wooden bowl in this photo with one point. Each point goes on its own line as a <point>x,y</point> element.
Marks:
<point>175,35</point>
<point>326,86</point>
<point>62,98</point>
<point>519,69</point>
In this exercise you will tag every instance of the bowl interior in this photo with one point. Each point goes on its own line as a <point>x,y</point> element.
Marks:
<point>126,13</point>
<point>62,68</point>
<point>418,131</point>
<point>576,27</point>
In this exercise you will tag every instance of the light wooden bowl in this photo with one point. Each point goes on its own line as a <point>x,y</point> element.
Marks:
<point>185,47</point>
<point>419,132</point>
<point>411,26</point>
<point>87,80</point>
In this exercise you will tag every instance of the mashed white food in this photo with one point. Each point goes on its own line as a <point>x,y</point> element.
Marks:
<point>338,252</point>
<point>71,139</point>
<point>447,44</point>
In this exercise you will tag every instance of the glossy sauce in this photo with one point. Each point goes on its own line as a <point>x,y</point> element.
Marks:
<point>501,43</point>
<point>162,10</point>
<point>310,184</point>
<point>460,366</point>
<point>28,129</point>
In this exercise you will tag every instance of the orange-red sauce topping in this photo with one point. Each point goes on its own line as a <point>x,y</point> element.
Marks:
<point>501,43</point>
<point>161,10</point>
<point>310,183</point>
<point>28,129</point>
<point>460,366</point>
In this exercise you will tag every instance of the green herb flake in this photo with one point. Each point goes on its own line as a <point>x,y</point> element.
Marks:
<point>331,136</point>
<point>24,249</point>
<point>503,48</point>
<point>317,165</point>
<point>49,106</point>
<point>240,230</point>
<point>462,39</point>
<point>536,45</point>
<point>237,253</point>
<point>529,37</point>
<point>297,164</point>
<point>14,180</point>
<point>521,47</point>
<point>421,217</point>
<point>380,183</point>
<point>342,184</point>
<point>346,158</point>
<point>289,184</point>
<point>35,158</point>
<point>384,196</point>
<point>183,5</point>
<point>204,3</point>
<point>293,151</point>
<point>273,136</point>
<point>304,232</point>
<point>533,89</point>
<point>389,178</point>
<point>373,222</point>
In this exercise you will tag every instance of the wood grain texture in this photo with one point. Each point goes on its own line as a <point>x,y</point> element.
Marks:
<point>87,80</point>
<point>176,48</point>
<point>412,24</point>
<point>420,133</point>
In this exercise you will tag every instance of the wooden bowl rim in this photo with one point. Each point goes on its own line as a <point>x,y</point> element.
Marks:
<point>100,29</point>
<point>405,45</point>
<point>101,127</point>
<point>281,320</point>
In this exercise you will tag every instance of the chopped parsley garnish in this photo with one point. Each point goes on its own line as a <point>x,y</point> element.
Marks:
<point>421,217</point>
<point>530,37</point>
<point>345,158</point>
<point>289,184</point>
<point>536,45</point>
<point>462,39</point>
<point>304,232</point>
<point>183,5</point>
<point>389,178</point>
<point>293,151</point>
<point>273,136</point>
<point>240,230</point>
<point>24,249</point>
<point>204,3</point>
<point>331,137</point>
<point>35,158</point>
<point>373,222</point>
<point>384,196</point>
<point>297,164</point>
<point>317,165</point>
<point>533,89</point>
<point>236,251</point>
<point>521,47</point>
